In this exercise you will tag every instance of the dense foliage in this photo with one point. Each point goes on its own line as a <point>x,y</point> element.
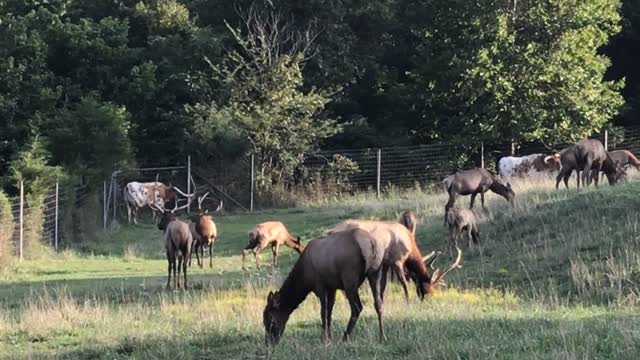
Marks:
<point>108,82</point>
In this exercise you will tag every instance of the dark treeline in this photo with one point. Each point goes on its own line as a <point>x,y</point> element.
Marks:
<point>88,86</point>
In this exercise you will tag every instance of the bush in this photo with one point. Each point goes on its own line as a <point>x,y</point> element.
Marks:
<point>6,231</point>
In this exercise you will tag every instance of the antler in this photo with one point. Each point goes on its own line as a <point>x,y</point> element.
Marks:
<point>437,275</point>
<point>431,258</point>
<point>219,206</point>
<point>201,199</point>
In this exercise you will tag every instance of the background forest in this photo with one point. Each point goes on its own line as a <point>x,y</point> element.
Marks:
<point>89,86</point>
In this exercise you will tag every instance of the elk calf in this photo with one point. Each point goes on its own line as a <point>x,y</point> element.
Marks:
<point>272,233</point>
<point>459,220</point>
<point>178,242</point>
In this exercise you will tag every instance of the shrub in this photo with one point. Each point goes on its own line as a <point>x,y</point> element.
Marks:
<point>6,231</point>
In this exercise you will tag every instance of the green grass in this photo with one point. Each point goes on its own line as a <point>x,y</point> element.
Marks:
<point>558,276</point>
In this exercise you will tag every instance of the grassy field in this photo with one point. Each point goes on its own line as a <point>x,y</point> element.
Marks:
<point>557,277</point>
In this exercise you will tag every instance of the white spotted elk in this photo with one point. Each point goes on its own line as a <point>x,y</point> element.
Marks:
<point>272,233</point>
<point>204,231</point>
<point>462,220</point>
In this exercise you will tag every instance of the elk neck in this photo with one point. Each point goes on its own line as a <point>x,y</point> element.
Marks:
<point>294,289</point>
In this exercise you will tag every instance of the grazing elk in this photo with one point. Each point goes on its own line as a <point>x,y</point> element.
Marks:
<point>204,231</point>
<point>473,182</point>
<point>460,220</point>
<point>153,194</point>
<point>589,157</point>
<point>272,233</point>
<point>178,242</point>
<point>401,253</point>
<point>624,158</point>
<point>339,261</point>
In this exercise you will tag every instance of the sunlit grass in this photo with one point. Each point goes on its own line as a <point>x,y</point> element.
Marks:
<point>557,276</point>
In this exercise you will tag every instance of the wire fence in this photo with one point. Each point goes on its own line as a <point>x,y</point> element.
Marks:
<point>40,219</point>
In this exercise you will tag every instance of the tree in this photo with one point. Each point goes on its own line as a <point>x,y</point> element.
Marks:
<point>516,70</point>
<point>90,139</point>
<point>262,99</point>
<point>32,167</point>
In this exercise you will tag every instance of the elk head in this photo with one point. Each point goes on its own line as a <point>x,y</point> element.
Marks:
<point>428,286</point>
<point>274,319</point>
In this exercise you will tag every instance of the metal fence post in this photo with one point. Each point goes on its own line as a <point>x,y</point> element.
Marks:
<point>482,154</point>
<point>21,218</point>
<point>188,180</point>
<point>115,194</point>
<point>379,163</point>
<point>252,181</point>
<point>104,205</point>
<point>606,140</point>
<point>55,232</point>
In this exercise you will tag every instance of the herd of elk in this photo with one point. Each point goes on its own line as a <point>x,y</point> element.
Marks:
<point>351,252</point>
<point>356,250</point>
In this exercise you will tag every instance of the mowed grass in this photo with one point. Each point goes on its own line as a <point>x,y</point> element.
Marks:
<point>557,276</point>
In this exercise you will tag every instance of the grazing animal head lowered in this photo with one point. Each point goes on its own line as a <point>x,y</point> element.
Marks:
<point>274,319</point>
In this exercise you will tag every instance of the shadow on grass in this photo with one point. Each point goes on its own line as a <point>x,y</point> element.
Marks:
<point>490,337</point>
<point>149,290</point>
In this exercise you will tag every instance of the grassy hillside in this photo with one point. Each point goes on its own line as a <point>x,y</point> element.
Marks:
<point>557,276</point>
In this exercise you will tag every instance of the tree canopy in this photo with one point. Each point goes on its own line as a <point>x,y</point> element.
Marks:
<point>151,81</point>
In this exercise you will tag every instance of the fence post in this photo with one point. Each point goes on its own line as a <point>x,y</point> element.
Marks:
<point>21,217</point>
<point>606,140</point>
<point>55,231</point>
<point>115,194</point>
<point>188,180</point>
<point>252,181</point>
<point>104,205</point>
<point>482,154</point>
<point>379,163</point>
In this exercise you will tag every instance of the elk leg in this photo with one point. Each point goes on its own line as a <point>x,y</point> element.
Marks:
<point>177,276</point>
<point>274,250</point>
<point>586,172</point>
<point>169,269</point>
<point>210,255</point>
<point>375,282</point>
<point>201,262</point>
<point>383,281</point>
<point>356,308</point>
<point>173,266</point>
<point>255,255</point>
<point>451,242</point>
<point>184,272</point>
<point>327,300</point>
<point>473,199</point>
<point>482,199</point>
<point>398,268</point>
<point>244,254</point>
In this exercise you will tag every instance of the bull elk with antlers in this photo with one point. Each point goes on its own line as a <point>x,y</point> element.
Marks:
<point>204,231</point>
<point>341,260</point>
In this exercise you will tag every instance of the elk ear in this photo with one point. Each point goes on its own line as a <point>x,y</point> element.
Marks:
<point>272,300</point>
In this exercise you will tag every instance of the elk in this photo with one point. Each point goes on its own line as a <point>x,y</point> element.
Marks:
<point>625,158</point>
<point>460,220</point>
<point>272,233</point>
<point>178,242</point>
<point>401,253</point>
<point>204,231</point>
<point>153,194</point>
<point>473,182</point>
<point>339,261</point>
<point>589,157</point>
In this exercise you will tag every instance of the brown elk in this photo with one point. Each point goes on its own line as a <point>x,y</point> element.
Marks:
<point>624,158</point>
<point>205,232</point>
<point>473,182</point>
<point>178,242</point>
<point>400,253</point>
<point>272,233</point>
<point>589,157</point>
<point>460,220</point>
